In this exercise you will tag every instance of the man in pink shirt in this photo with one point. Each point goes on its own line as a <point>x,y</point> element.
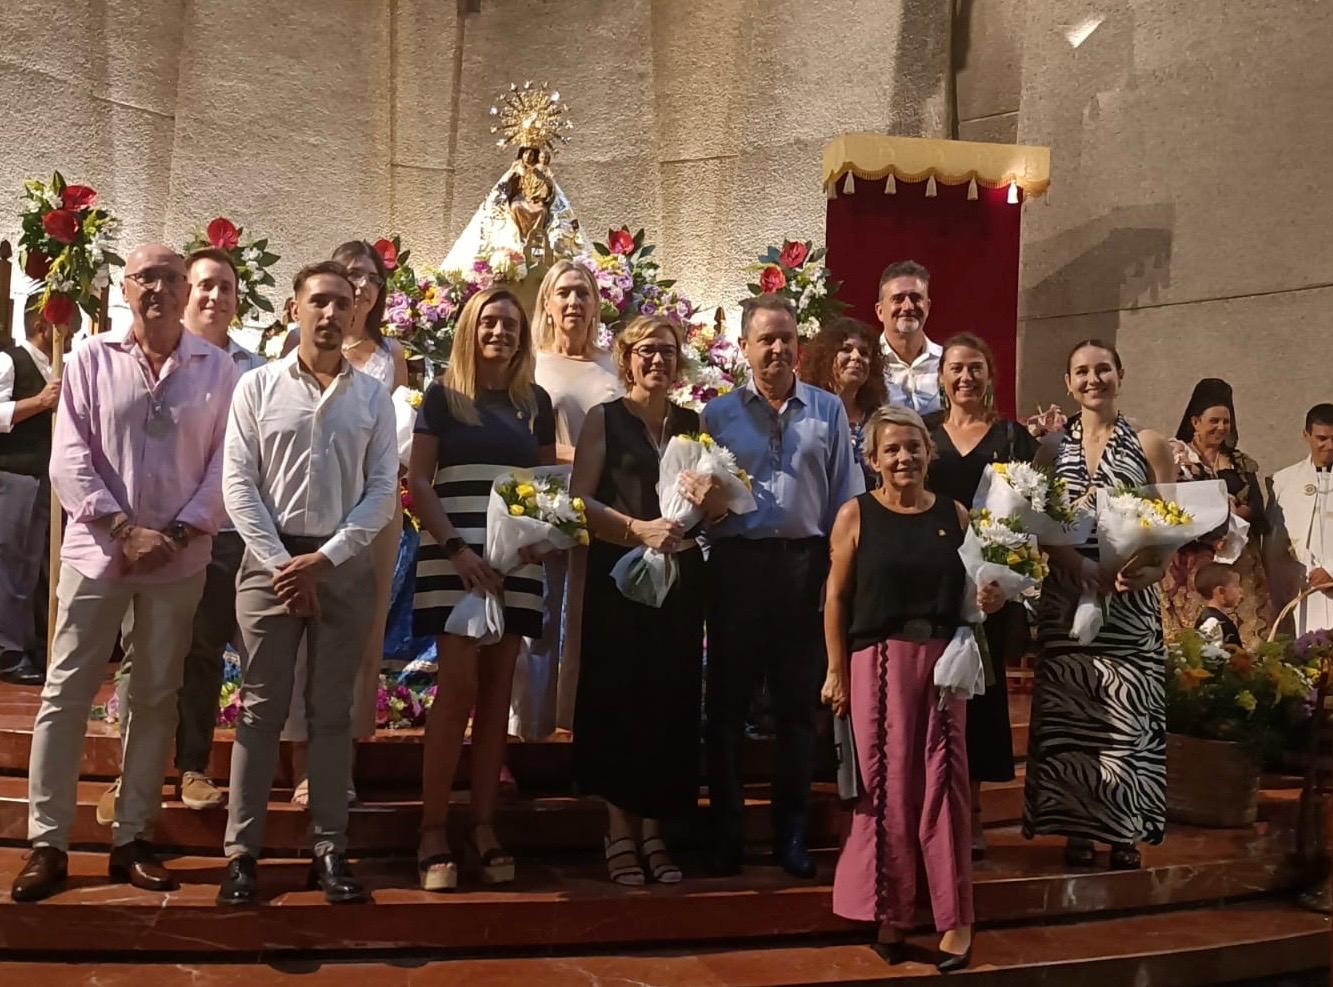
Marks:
<point>137,464</point>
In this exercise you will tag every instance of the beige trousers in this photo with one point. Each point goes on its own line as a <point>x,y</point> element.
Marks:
<point>88,618</point>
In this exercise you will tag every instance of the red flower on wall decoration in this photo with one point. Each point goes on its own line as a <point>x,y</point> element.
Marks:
<point>222,232</point>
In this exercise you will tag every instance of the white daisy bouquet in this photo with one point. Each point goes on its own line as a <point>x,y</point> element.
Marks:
<point>646,575</point>
<point>1037,498</point>
<point>529,510</point>
<point>1145,526</point>
<point>1000,550</point>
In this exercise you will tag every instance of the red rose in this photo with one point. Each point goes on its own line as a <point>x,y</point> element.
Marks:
<point>772,280</point>
<point>388,253</point>
<point>222,232</point>
<point>58,310</point>
<point>793,254</point>
<point>78,197</point>
<point>619,241</point>
<point>37,265</point>
<point>62,225</point>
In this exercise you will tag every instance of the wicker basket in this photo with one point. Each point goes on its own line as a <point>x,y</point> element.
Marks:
<point>1210,782</point>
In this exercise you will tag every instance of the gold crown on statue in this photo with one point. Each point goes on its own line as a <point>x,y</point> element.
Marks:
<point>530,117</point>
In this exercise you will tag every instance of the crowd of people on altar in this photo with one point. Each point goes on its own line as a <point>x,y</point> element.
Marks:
<point>212,498</point>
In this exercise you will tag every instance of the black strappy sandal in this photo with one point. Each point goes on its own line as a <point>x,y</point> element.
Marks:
<point>660,864</point>
<point>628,872</point>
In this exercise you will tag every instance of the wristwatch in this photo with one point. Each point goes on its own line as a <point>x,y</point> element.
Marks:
<point>453,546</point>
<point>179,533</point>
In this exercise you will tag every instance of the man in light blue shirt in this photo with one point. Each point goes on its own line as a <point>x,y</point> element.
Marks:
<point>766,573</point>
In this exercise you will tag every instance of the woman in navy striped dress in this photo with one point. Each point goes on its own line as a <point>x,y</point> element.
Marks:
<point>1097,754</point>
<point>486,417</point>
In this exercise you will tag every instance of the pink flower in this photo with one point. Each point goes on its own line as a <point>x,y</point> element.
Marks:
<point>772,280</point>
<point>793,254</point>
<point>620,241</point>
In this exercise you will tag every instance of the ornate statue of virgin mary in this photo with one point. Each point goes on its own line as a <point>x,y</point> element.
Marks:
<point>526,213</point>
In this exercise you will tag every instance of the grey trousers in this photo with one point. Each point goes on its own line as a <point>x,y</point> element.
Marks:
<point>88,617</point>
<point>214,628</point>
<point>25,508</point>
<point>334,645</point>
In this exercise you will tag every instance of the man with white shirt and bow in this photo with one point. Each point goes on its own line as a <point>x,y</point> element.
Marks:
<point>28,398</point>
<point>911,359</point>
<point>310,475</point>
<point>1300,546</point>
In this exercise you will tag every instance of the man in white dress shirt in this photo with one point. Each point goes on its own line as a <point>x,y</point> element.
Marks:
<point>209,311</point>
<point>310,475</point>
<point>911,359</point>
<point>1300,545</point>
<point>28,399</point>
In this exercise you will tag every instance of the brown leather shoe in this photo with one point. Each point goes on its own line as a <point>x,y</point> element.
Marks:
<point>136,864</point>
<point>44,873</point>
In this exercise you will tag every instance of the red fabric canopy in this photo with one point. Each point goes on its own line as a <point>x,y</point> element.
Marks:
<point>969,246</point>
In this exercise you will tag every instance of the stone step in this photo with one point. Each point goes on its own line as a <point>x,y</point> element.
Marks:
<point>568,903</point>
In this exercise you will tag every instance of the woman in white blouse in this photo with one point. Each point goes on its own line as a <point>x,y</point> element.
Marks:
<point>579,376</point>
<point>367,350</point>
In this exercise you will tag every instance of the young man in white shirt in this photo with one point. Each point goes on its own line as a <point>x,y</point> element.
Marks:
<point>209,310</point>
<point>1299,547</point>
<point>309,477</point>
<point>28,399</point>
<point>911,359</point>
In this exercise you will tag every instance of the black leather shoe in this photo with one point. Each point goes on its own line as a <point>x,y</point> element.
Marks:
<point>135,863</point>
<point>44,873</point>
<point>24,671</point>
<point>954,961</point>
<point>794,858</point>
<point>891,953</point>
<point>241,885</point>
<point>723,860</point>
<point>329,873</point>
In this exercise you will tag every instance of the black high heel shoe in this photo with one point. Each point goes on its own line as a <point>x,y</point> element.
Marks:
<point>1125,858</point>
<point>954,961</point>
<point>891,953</point>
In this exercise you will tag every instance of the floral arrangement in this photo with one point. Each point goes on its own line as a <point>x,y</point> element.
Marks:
<point>251,257</point>
<point>1045,492</point>
<point>1253,697</point>
<point>64,244</point>
<point>545,499</point>
<point>402,705</point>
<point>396,260</point>
<point>229,700</point>
<point>422,310</point>
<point>794,271</point>
<point>1005,542</point>
<point>712,366</point>
<point>630,283</point>
<point>1037,498</point>
<point>1150,512</point>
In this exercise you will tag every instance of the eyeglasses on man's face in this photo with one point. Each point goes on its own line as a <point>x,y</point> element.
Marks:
<point>154,277</point>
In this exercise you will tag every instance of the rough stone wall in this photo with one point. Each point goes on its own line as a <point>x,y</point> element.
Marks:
<point>316,120</point>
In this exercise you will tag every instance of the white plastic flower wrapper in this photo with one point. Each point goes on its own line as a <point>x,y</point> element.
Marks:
<point>646,575</point>
<point>481,615</point>
<point>405,420</point>
<point>1121,537</point>
<point>1234,541</point>
<point>1002,500</point>
<point>981,573</point>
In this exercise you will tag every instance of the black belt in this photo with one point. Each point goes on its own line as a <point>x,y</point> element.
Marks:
<point>303,544</point>
<point>919,629</point>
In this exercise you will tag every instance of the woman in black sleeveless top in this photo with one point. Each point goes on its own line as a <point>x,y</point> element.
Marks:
<point>895,591</point>
<point>970,438</point>
<point>636,716</point>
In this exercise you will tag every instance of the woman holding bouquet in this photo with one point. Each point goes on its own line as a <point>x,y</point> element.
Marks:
<point>844,358</point>
<point>893,602</point>
<point>1097,754</point>
<point>579,376</point>
<point>1205,449</point>
<point>485,418</point>
<point>970,438</point>
<point>636,721</point>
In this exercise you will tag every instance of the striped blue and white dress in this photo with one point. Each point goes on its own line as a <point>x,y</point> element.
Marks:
<point>1097,750</point>
<point>470,458</point>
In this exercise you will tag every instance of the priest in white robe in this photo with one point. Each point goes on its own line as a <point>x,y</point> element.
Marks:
<point>1300,547</point>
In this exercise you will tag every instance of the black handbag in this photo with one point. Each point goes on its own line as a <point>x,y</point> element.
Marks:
<point>849,767</point>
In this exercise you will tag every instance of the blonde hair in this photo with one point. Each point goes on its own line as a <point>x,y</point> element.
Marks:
<point>460,378</point>
<point>639,329</point>
<point>544,331</point>
<point>885,416</point>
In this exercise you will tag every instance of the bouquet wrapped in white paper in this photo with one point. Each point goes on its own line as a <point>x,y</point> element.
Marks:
<point>1145,526</point>
<point>1036,497</point>
<point>526,510</point>
<point>999,550</point>
<point>646,575</point>
<point>406,401</point>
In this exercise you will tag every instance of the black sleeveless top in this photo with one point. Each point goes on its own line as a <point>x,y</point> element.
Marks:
<point>628,483</point>
<point>907,568</point>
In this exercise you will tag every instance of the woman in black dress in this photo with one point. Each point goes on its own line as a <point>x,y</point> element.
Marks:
<point>971,437</point>
<point>636,718</point>
<point>485,417</point>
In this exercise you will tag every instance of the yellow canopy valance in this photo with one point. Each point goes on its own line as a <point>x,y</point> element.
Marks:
<point>875,156</point>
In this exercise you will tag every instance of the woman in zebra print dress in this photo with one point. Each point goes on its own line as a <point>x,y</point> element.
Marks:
<point>1097,754</point>
<point>485,418</point>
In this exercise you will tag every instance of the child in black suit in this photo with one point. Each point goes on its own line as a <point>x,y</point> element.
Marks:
<point>1219,585</point>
